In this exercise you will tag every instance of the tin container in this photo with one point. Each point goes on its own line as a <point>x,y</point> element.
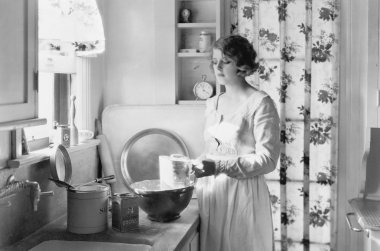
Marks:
<point>63,135</point>
<point>125,212</point>
<point>87,209</point>
<point>204,41</point>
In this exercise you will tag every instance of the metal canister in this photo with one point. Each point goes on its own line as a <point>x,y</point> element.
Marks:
<point>63,135</point>
<point>87,209</point>
<point>204,41</point>
<point>125,212</point>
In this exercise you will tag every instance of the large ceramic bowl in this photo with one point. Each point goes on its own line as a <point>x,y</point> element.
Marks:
<point>162,204</point>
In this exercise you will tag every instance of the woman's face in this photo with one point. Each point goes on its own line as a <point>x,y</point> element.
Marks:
<point>225,68</point>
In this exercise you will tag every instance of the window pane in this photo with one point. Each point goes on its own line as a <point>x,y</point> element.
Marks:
<point>45,107</point>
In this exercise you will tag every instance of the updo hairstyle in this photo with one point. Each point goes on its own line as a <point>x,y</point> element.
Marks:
<point>240,50</point>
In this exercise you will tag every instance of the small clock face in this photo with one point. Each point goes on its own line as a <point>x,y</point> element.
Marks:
<point>203,90</point>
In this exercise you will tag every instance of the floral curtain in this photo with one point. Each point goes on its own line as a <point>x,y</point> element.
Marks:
<point>297,44</point>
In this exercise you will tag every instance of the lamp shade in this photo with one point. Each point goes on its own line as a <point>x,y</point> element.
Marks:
<point>66,29</point>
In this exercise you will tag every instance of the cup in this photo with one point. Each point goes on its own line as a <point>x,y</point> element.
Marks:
<point>174,171</point>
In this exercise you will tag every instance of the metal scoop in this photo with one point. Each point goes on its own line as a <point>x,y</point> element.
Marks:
<point>109,177</point>
<point>61,183</point>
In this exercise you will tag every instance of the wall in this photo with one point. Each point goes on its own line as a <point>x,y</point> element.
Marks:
<point>140,57</point>
<point>130,37</point>
<point>354,119</point>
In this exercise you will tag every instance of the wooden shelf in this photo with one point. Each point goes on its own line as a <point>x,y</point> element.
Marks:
<point>191,66</point>
<point>191,102</point>
<point>19,124</point>
<point>193,55</point>
<point>196,25</point>
<point>196,0</point>
<point>44,154</point>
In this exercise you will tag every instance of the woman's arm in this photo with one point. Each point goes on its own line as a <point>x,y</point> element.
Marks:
<point>266,132</point>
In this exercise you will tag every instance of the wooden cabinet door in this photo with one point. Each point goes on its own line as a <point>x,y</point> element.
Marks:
<point>192,244</point>
<point>371,240</point>
<point>18,32</point>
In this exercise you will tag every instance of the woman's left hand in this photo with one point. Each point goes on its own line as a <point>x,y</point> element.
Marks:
<point>206,168</point>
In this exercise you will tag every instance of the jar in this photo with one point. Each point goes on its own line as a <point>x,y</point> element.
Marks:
<point>204,41</point>
<point>63,135</point>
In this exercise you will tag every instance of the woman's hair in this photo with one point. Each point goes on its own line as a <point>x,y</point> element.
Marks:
<point>240,50</point>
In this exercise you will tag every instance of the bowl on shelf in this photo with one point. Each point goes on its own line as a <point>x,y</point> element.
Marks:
<point>162,204</point>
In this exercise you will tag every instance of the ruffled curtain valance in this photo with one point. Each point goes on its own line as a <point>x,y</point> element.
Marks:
<point>68,28</point>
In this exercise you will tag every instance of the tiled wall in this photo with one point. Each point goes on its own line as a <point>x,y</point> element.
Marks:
<point>19,220</point>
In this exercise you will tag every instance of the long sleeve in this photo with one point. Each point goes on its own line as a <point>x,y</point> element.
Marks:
<point>266,131</point>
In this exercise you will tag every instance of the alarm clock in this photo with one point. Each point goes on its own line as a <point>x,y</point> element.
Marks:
<point>203,90</point>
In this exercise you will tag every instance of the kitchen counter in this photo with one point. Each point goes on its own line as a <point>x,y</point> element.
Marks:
<point>161,236</point>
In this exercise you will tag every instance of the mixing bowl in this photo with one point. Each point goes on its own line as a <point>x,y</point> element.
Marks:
<point>160,203</point>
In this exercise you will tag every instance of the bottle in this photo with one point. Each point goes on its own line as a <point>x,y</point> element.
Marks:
<point>73,127</point>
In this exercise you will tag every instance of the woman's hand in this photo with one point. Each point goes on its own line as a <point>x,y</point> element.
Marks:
<point>206,168</point>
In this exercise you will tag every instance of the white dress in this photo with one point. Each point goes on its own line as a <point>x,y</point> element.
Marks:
<point>235,206</point>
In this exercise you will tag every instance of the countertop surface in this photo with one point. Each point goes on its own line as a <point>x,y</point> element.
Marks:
<point>161,236</point>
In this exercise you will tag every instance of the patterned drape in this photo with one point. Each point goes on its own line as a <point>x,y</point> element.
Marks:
<point>297,44</point>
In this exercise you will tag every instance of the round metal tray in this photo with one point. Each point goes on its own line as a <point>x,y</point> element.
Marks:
<point>139,158</point>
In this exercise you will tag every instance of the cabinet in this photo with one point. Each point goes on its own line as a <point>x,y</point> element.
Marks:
<point>18,30</point>
<point>371,240</point>
<point>193,243</point>
<point>192,65</point>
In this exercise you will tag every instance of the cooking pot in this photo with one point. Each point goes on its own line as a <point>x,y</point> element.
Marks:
<point>87,208</point>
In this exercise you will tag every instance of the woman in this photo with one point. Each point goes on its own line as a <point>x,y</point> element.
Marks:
<point>242,144</point>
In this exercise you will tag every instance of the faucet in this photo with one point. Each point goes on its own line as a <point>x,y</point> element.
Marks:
<point>13,186</point>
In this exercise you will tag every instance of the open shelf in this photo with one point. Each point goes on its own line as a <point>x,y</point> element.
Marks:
<point>191,66</point>
<point>196,25</point>
<point>194,55</point>
<point>192,102</point>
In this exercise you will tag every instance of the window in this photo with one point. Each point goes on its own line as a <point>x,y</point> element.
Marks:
<point>68,32</point>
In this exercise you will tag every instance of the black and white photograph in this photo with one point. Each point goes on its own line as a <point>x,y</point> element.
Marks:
<point>190,125</point>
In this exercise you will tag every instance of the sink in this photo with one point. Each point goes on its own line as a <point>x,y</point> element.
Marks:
<point>58,245</point>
